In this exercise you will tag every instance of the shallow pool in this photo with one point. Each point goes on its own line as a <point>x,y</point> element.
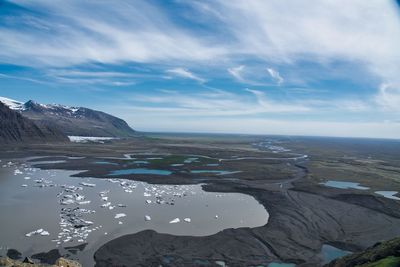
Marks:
<point>345,185</point>
<point>140,171</point>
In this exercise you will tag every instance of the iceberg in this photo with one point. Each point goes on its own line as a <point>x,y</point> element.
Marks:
<point>87,184</point>
<point>176,220</point>
<point>119,215</point>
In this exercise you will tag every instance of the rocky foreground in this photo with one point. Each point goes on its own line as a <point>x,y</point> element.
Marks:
<point>382,254</point>
<point>61,262</point>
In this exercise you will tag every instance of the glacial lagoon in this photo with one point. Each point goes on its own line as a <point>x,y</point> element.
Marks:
<point>46,209</point>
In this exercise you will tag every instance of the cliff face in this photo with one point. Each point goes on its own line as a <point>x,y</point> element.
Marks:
<point>16,128</point>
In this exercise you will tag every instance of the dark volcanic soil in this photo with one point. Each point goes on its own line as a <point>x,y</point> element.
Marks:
<point>303,214</point>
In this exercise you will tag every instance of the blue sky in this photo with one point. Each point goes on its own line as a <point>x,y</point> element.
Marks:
<point>262,67</point>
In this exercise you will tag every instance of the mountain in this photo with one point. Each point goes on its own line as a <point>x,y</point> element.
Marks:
<point>72,121</point>
<point>16,128</point>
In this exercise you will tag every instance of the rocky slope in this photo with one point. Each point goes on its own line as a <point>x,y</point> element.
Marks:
<point>72,121</point>
<point>61,262</point>
<point>16,128</point>
<point>383,254</point>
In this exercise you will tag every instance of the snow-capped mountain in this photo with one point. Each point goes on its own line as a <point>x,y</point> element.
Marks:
<point>73,121</point>
<point>12,104</point>
<point>16,128</point>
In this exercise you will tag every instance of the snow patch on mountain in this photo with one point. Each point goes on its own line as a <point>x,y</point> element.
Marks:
<point>12,104</point>
<point>86,139</point>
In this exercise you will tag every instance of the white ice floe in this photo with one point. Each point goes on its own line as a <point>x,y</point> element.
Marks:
<point>146,194</point>
<point>87,184</point>
<point>148,201</point>
<point>38,232</point>
<point>119,215</point>
<point>105,205</point>
<point>27,178</point>
<point>176,220</point>
<point>216,216</point>
<point>188,220</point>
<point>147,218</point>
<point>24,185</point>
<point>44,233</point>
<point>67,201</point>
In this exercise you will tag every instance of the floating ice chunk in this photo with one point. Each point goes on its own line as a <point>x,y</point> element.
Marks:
<point>188,220</point>
<point>44,233</point>
<point>36,232</point>
<point>17,172</point>
<point>105,205</point>
<point>79,197</point>
<point>67,201</point>
<point>87,184</point>
<point>176,220</point>
<point>147,218</point>
<point>119,222</point>
<point>84,202</point>
<point>148,201</point>
<point>104,198</point>
<point>146,194</point>
<point>27,178</point>
<point>119,215</point>
<point>24,185</point>
<point>216,216</point>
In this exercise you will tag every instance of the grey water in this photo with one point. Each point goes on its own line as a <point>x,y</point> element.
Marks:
<point>30,199</point>
<point>217,172</point>
<point>344,185</point>
<point>388,194</point>
<point>329,253</point>
<point>140,171</point>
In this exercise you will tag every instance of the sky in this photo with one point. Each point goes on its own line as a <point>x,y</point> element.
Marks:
<point>326,68</point>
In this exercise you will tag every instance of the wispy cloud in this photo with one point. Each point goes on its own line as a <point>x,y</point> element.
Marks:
<point>184,73</point>
<point>388,97</point>
<point>236,72</point>
<point>83,32</point>
<point>275,75</point>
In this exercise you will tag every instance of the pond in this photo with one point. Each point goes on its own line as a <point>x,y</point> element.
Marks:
<point>344,185</point>
<point>388,194</point>
<point>139,171</point>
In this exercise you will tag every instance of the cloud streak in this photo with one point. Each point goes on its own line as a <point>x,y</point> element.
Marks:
<point>184,73</point>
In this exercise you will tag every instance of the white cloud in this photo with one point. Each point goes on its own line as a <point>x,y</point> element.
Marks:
<point>185,74</point>
<point>275,75</point>
<point>83,32</point>
<point>236,72</point>
<point>388,97</point>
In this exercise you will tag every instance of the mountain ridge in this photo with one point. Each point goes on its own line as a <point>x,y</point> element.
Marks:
<point>72,121</point>
<point>16,128</point>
